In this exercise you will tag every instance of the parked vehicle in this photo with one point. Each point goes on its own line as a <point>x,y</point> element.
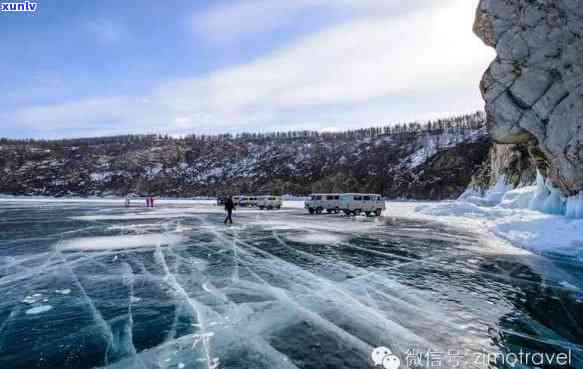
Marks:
<point>357,203</point>
<point>237,200</point>
<point>245,201</point>
<point>269,202</point>
<point>329,202</point>
<point>262,202</point>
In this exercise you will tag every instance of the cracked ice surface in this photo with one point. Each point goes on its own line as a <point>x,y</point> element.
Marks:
<point>87,286</point>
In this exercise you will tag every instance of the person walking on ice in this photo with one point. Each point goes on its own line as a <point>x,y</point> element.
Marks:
<point>229,206</point>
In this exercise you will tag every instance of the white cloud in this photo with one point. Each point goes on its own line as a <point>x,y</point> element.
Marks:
<point>230,21</point>
<point>227,22</point>
<point>376,68</point>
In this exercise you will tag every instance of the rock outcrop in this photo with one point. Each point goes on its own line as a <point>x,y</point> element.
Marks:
<point>513,163</point>
<point>534,87</point>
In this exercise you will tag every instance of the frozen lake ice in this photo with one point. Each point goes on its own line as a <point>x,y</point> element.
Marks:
<point>88,285</point>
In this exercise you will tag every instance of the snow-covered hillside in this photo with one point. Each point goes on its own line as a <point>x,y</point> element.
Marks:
<point>434,161</point>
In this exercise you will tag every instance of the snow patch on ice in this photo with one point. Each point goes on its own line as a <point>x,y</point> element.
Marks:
<point>457,208</point>
<point>120,242</point>
<point>38,310</point>
<point>32,298</point>
<point>318,238</point>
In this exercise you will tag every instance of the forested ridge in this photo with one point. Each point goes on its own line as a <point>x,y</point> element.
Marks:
<point>420,160</point>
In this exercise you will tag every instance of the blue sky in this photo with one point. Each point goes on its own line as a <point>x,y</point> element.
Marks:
<point>86,68</point>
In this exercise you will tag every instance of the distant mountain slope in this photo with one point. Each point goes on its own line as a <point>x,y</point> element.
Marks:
<point>431,161</point>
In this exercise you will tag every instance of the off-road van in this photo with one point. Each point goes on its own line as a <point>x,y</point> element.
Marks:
<point>269,202</point>
<point>245,201</point>
<point>329,202</point>
<point>357,203</point>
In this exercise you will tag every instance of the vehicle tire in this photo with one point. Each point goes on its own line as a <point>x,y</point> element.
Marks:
<point>261,207</point>
<point>347,212</point>
<point>319,211</point>
<point>356,211</point>
<point>278,207</point>
<point>368,213</point>
<point>270,207</point>
<point>311,210</point>
<point>378,212</point>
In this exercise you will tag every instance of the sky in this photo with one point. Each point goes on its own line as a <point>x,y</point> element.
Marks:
<point>89,68</point>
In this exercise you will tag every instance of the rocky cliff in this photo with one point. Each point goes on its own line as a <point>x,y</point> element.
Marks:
<point>534,87</point>
<point>510,163</point>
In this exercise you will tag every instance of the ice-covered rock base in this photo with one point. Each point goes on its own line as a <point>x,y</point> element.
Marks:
<point>537,218</point>
<point>543,197</point>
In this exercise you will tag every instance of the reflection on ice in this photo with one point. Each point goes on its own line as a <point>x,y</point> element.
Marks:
<point>282,290</point>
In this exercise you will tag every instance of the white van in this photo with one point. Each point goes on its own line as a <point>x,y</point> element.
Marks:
<point>252,201</point>
<point>357,203</point>
<point>269,202</point>
<point>245,201</point>
<point>319,202</point>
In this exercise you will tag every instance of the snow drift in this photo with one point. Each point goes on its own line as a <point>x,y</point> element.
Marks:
<point>537,218</point>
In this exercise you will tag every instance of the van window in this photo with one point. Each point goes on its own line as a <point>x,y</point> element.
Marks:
<point>316,198</point>
<point>336,197</point>
<point>366,198</point>
<point>329,197</point>
<point>357,198</point>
